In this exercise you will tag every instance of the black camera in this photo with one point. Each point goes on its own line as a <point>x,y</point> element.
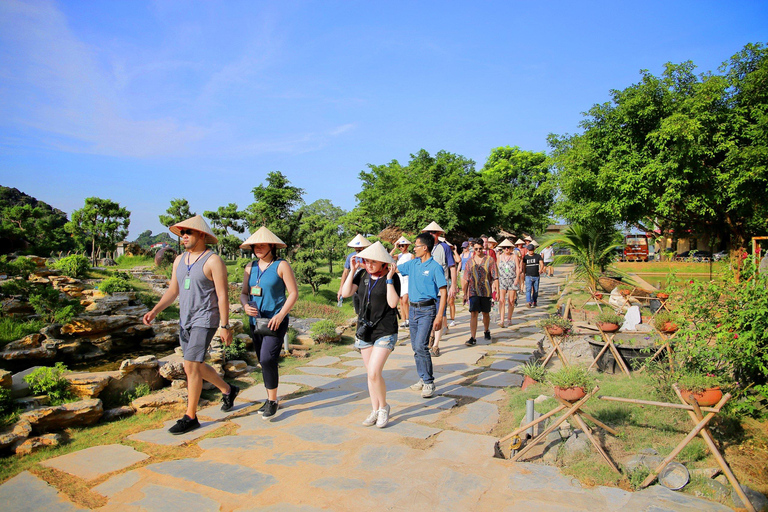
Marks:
<point>364,329</point>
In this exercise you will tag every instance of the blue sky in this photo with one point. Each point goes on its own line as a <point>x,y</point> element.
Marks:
<point>142,102</point>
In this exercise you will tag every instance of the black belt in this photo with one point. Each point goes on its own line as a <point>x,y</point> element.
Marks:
<point>424,303</point>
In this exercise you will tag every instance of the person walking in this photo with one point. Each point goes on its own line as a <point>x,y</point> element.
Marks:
<point>199,280</point>
<point>451,312</point>
<point>263,296</point>
<point>443,255</point>
<point>358,244</point>
<point>481,281</point>
<point>509,283</point>
<point>548,255</point>
<point>402,256</point>
<point>534,265</point>
<point>378,289</point>
<point>427,292</point>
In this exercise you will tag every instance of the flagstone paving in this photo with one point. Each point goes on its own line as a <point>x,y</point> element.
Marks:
<point>314,455</point>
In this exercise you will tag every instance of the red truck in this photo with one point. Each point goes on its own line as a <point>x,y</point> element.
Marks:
<point>635,248</point>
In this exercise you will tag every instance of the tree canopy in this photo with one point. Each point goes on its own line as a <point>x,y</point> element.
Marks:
<point>30,225</point>
<point>275,207</point>
<point>102,222</point>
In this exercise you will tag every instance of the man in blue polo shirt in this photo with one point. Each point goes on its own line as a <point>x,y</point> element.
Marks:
<point>427,295</point>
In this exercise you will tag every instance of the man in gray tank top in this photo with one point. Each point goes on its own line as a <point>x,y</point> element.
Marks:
<point>199,280</point>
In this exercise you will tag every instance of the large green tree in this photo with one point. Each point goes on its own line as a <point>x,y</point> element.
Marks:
<point>678,151</point>
<point>222,220</point>
<point>275,206</point>
<point>177,212</point>
<point>321,232</point>
<point>30,225</point>
<point>101,223</point>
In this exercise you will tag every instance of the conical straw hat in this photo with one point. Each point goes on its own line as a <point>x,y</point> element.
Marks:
<point>528,239</point>
<point>534,243</point>
<point>198,224</point>
<point>492,241</point>
<point>359,241</point>
<point>434,227</point>
<point>376,252</point>
<point>263,236</point>
<point>506,243</point>
<point>402,241</point>
<point>520,241</point>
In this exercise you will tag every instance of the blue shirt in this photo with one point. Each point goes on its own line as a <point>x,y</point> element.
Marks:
<point>347,264</point>
<point>425,279</point>
<point>272,289</point>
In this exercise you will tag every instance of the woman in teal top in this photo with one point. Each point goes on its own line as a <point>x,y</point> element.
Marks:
<point>265,283</point>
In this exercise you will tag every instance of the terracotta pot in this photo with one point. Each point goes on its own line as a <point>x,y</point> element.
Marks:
<point>606,327</point>
<point>706,398</point>
<point>598,296</point>
<point>669,327</point>
<point>527,381</point>
<point>555,330</point>
<point>570,394</point>
<point>662,296</point>
<point>625,293</point>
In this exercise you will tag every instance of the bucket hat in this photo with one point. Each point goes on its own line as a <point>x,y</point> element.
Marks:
<point>263,236</point>
<point>402,241</point>
<point>376,252</point>
<point>359,241</point>
<point>198,224</point>
<point>433,227</point>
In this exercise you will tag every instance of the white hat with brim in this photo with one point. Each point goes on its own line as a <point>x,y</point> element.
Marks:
<point>376,252</point>
<point>198,224</point>
<point>492,240</point>
<point>263,236</point>
<point>528,239</point>
<point>520,241</point>
<point>506,243</point>
<point>402,241</point>
<point>433,227</point>
<point>534,243</point>
<point>359,241</point>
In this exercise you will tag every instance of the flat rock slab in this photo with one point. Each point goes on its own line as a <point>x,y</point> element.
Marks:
<point>258,393</point>
<point>379,456</point>
<point>214,412</point>
<point>159,498</point>
<point>358,363</point>
<point>505,365</point>
<point>239,442</point>
<point>324,361</point>
<point>314,370</point>
<point>313,381</point>
<point>96,461</point>
<point>283,507</point>
<point>27,492</point>
<point>458,446</point>
<point>230,478</point>
<point>325,458</point>
<point>321,433</point>
<point>477,416</point>
<point>460,490</point>
<point>117,483</point>
<point>479,393</point>
<point>161,436</point>
<point>353,354</point>
<point>409,429</point>
<point>254,422</point>
<point>499,379</point>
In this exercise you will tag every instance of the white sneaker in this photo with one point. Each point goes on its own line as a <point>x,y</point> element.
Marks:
<point>371,419</point>
<point>383,419</point>
<point>407,323</point>
<point>428,390</point>
<point>452,324</point>
<point>418,385</point>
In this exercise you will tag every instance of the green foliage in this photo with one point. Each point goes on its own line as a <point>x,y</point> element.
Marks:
<point>52,306</point>
<point>609,317</point>
<point>75,265</point>
<point>571,377</point>
<point>222,220</point>
<point>49,380</point>
<point>12,329</point>
<point>637,476</point>
<point>129,395</point>
<point>29,225</point>
<point>534,370</point>
<point>6,401</point>
<point>242,262</point>
<point>305,270</point>
<point>663,317</point>
<point>18,267</point>
<point>235,350</point>
<point>275,206</point>
<point>127,262</point>
<point>324,330</point>
<point>100,223</point>
<point>177,212</point>
<point>146,239</point>
<point>555,321</point>
<point>115,284</point>
<point>697,382</point>
<point>320,233</point>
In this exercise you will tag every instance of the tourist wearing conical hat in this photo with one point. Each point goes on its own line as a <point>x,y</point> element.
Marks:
<point>265,285</point>
<point>443,255</point>
<point>377,286</point>
<point>509,282</point>
<point>358,244</point>
<point>400,251</point>
<point>199,280</point>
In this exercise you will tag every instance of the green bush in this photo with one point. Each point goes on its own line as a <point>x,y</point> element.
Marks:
<point>534,370</point>
<point>49,380</point>
<point>51,306</point>
<point>572,377</point>
<point>242,262</point>
<point>609,317</point>
<point>6,402</point>
<point>236,350</point>
<point>324,330</point>
<point>129,395</point>
<point>12,329</point>
<point>20,266</point>
<point>556,321</point>
<point>115,284</point>
<point>75,265</point>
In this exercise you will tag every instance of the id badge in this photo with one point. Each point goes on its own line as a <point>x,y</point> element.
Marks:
<point>186,283</point>
<point>256,291</point>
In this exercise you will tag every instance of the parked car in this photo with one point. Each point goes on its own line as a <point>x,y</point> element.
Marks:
<point>694,255</point>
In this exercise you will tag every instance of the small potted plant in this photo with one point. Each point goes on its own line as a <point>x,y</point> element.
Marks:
<point>571,383</point>
<point>662,295</point>
<point>556,325</point>
<point>705,387</point>
<point>534,372</point>
<point>666,322</point>
<point>599,296</point>
<point>625,292</point>
<point>608,321</point>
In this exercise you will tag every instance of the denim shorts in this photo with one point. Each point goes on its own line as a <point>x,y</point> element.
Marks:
<point>384,342</point>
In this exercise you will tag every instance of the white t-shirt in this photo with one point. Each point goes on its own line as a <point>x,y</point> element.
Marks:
<point>547,253</point>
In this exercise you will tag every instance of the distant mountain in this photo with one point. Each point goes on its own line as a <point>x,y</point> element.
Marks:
<point>146,239</point>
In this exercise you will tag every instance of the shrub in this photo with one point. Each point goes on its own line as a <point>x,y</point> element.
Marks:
<point>324,330</point>
<point>20,266</point>
<point>555,321</point>
<point>571,377</point>
<point>534,370</point>
<point>115,284</point>
<point>236,350</point>
<point>51,306</point>
<point>242,262</point>
<point>12,329</point>
<point>697,382</point>
<point>129,395</point>
<point>609,317</point>
<point>49,380</point>
<point>6,402</point>
<point>75,265</point>
<point>663,318</point>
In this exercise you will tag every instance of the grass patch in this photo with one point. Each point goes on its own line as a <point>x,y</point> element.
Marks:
<point>12,329</point>
<point>665,267</point>
<point>124,262</point>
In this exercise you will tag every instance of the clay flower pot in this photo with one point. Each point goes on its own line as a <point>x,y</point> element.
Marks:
<point>527,381</point>
<point>606,327</point>
<point>570,394</point>
<point>662,296</point>
<point>669,327</point>
<point>625,292</point>
<point>555,330</point>
<point>706,398</point>
<point>598,296</point>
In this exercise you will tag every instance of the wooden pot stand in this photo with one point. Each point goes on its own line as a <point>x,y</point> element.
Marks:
<point>616,355</point>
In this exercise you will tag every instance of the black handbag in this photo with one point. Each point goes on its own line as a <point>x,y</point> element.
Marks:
<point>261,327</point>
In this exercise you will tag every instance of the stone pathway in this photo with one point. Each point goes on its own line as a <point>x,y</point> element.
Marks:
<point>435,454</point>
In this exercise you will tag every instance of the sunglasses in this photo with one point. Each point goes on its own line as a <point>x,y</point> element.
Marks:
<point>184,232</point>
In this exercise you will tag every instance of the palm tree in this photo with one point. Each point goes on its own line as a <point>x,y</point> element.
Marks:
<point>592,250</point>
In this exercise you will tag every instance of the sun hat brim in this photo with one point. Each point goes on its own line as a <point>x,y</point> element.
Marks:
<point>376,252</point>
<point>196,223</point>
<point>433,227</point>
<point>359,241</point>
<point>263,236</point>
<point>506,243</point>
<point>402,241</point>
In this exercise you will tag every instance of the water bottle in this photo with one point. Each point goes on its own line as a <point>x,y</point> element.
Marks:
<point>340,302</point>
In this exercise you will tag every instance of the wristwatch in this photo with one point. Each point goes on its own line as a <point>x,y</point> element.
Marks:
<point>227,327</point>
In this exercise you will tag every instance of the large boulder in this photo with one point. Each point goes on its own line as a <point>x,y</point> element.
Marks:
<point>59,417</point>
<point>122,382</point>
<point>129,365</point>
<point>87,325</point>
<point>27,342</point>
<point>33,444</point>
<point>173,370</point>
<point>164,338</point>
<point>6,379</point>
<point>235,368</point>
<point>20,431</point>
<point>20,388</point>
<point>12,306</point>
<point>150,403</point>
<point>88,384</point>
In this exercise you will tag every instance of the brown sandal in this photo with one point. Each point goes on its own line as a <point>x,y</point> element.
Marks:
<point>435,351</point>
